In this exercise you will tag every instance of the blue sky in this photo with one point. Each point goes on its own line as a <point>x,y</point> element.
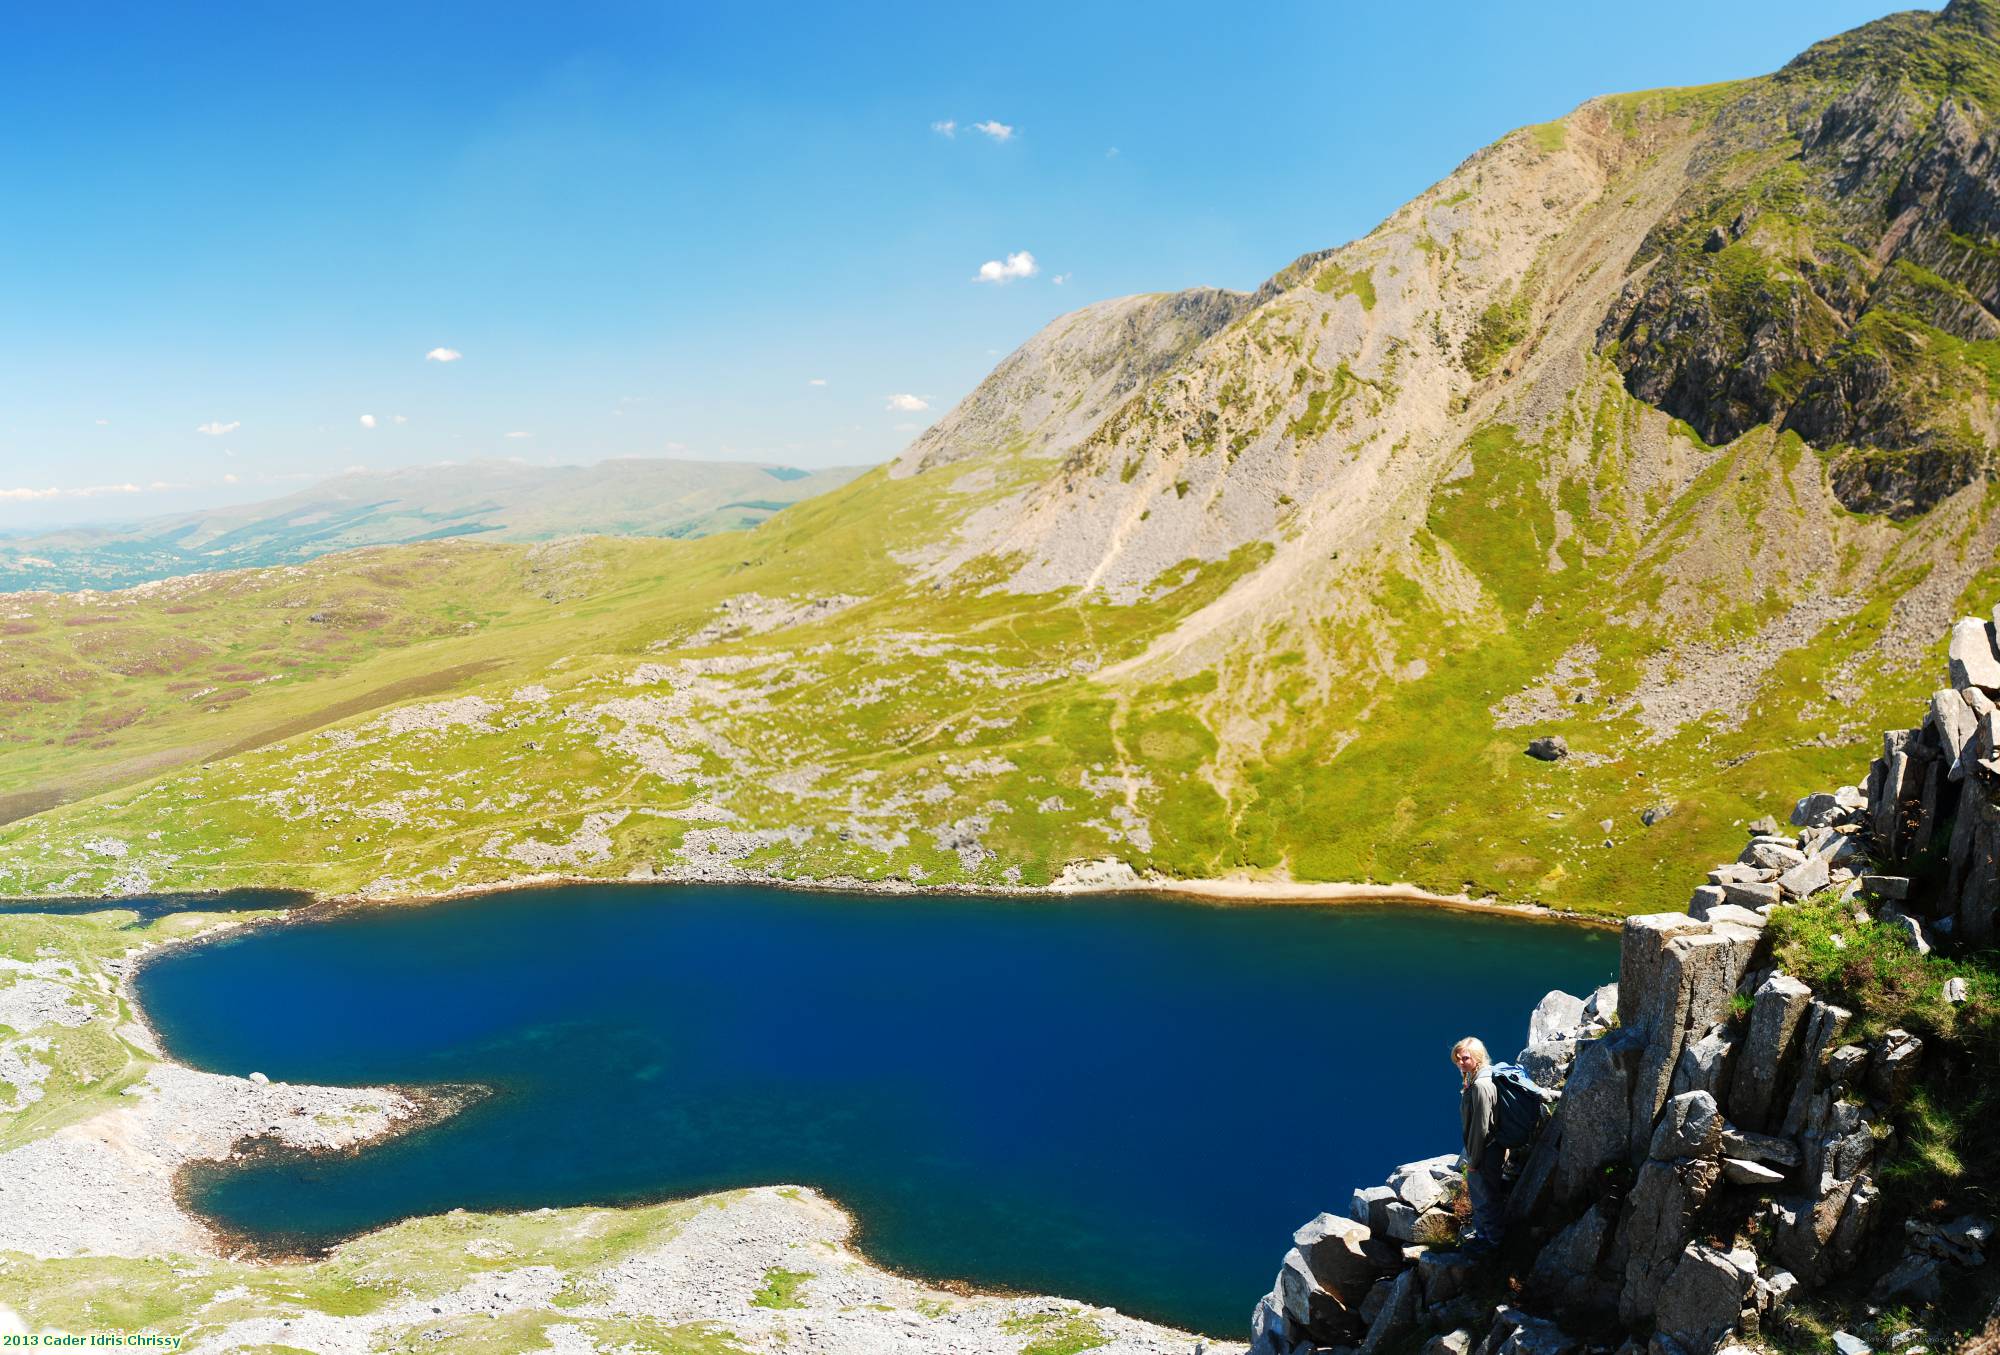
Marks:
<point>229,232</point>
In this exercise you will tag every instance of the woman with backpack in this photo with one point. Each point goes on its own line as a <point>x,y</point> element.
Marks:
<point>1499,1107</point>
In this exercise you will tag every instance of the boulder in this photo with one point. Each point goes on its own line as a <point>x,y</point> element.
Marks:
<point>1956,992</point>
<point>1270,1330</point>
<point>1769,1047</point>
<point>1344,1257</point>
<point>1896,887</point>
<point>1705,899</point>
<point>1970,655</point>
<point>1696,980</point>
<point>1548,1064</point>
<point>1690,1126</point>
<point>1594,1116</point>
<point>1910,930</point>
<point>1416,1187</point>
<point>1367,1206</point>
<point>1455,1342</point>
<point>1743,1171</point>
<point>1766,1148</point>
<point>1655,814</point>
<point>1702,1301</point>
<point>1817,810</point>
<point>1846,1343</point>
<point>1555,1017</point>
<point>1400,1221</point>
<point>1397,1318</point>
<point>1444,1275</point>
<point>1566,1272</point>
<point>1309,1307</point>
<point>1807,878</point>
<point>1915,1278</point>
<point>1518,1333</point>
<point>1736,873</point>
<point>1601,1007</point>
<point>1753,896</point>
<point>1769,853</point>
<point>1893,1066</point>
<point>1549,748</point>
<point>1764,826</point>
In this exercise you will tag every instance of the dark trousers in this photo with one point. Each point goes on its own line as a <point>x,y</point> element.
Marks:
<point>1487,1185</point>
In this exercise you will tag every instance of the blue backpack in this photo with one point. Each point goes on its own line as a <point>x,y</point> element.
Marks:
<point>1519,1105</point>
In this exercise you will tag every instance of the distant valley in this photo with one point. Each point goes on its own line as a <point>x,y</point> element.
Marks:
<point>500,500</point>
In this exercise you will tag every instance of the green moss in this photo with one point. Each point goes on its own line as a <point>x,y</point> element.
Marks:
<point>1053,1334</point>
<point>1358,283</point>
<point>1498,329</point>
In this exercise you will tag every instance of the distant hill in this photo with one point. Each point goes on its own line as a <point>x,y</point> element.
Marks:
<point>498,499</point>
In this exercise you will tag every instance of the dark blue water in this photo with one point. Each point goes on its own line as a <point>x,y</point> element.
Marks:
<point>1122,1100</point>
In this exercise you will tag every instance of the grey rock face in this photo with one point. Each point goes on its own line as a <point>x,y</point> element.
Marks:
<point>1548,1064</point>
<point>1602,1006</point>
<point>1705,900</point>
<point>1654,1229</point>
<point>1955,724</point>
<point>1550,748</point>
<point>1444,1275</point>
<point>1696,977</point>
<point>1368,1206</point>
<point>1742,1171</point>
<point>1914,1278</point>
<point>1816,810</point>
<point>1305,1304</point>
<point>1824,1023</point>
<point>1971,655</point>
<point>1893,1067</point>
<point>1690,1126</point>
<point>1344,1257</point>
<point>1397,1317</point>
<point>1595,1115</point>
<point>1766,1148</point>
<point>1518,1333</point>
<point>1705,1064</point>
<point>1702,1301</point>
<point>1806,878</point>
<point>1769,1049</point>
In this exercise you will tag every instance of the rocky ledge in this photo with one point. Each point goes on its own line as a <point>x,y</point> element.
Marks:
<point>1716,1152</point>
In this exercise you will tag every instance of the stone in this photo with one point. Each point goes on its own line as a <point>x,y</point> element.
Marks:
<point>1690,1126</point>
<point>1771,854</point>
<point>1595,1115</point>
<point>1736,873</point>
<point>1366,1205</point>
<point>1847,1344</point>
<point>1397,1318</point>
<point>1556,1016</point>
<point>1845,1065</point>
<point>1306,1304</point>
<point>1654,814</point>
<point>1764,827</point>
<point>1765,1148</point>
<point>1550,748</point>
<point>1753,896</point>
<point>1816,810</point>
<point>1969,1231</point>
<point>1955,725</point>
<point>1518,1333</point>
<point>1696,979</point>
<point>1702,1301</point>
<point>1416,1187</point>
<point>1344,1257</point>
<point>1400,1221</point>
<point>1807,878</point>
<point>1444,1275</point>
<point>1778,1010</point>
<point>1602,1005</point>
<point>260,1079</point>
<point>1955,992</point>
<point>1909,929</point>
<point>1455,1342</point>
<point>1970,655</point>
<point>1896,887</point>
<point>1270,1330</point>
<point>1824,1023</point>
<point>1893,1066</point>
<point>1741,1171</point>
<point>1705,1063</point>
<point>1915,1278</point>
<point>1705,899</point>
<point>1565,1273</point>
<point>1548,1064</point>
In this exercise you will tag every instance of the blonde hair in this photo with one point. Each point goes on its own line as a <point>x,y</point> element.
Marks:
<point>1474,1046</point>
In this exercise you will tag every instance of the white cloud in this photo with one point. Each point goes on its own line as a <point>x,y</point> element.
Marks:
<point>908,404</point>
<point>400,418</point>
<point>1060,278</point>
<point>676,446</point>
<point>83,492</point>
<point>948,127</point>
<point>215,428</point>
<point>999,131</point>
<point>520,433</point>
<point>229,478</point>
<point>102,422</point>
<point>367,420</point>
<point>816,381</point>
<point>443,355</point>
<point>1019,265</point>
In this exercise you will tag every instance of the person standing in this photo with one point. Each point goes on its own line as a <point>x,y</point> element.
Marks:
<point>1485,1155</point>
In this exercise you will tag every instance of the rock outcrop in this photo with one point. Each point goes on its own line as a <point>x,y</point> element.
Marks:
<point>1707,1096</point>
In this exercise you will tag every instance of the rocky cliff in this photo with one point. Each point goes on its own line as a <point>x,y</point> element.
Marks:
<point>1741,1118</point>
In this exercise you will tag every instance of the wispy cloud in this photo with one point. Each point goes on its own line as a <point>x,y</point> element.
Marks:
<point>816,381</point>
<point>102,422</point>
<point>948,127</point>
<point>520,433</point>
<point>1060,278</point>
<point>26,493</point>
<point>443,355</point>
<point>215,428</point>
<point>400,418</point>
<point>367,420</point>
<point>907,404</point>
<point>999,131</point>
<point>1018,265</point>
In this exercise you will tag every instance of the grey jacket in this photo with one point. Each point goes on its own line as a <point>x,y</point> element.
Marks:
<point>1477,1105</point>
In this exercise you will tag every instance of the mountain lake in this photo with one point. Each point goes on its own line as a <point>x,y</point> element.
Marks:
<point>1119,1099</point>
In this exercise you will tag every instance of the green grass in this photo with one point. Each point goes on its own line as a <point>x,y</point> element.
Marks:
<point>1056,1334</point>
<point>781,1289</point>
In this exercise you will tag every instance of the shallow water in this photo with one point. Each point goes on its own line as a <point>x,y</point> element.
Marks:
<point>1123,1100</point>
